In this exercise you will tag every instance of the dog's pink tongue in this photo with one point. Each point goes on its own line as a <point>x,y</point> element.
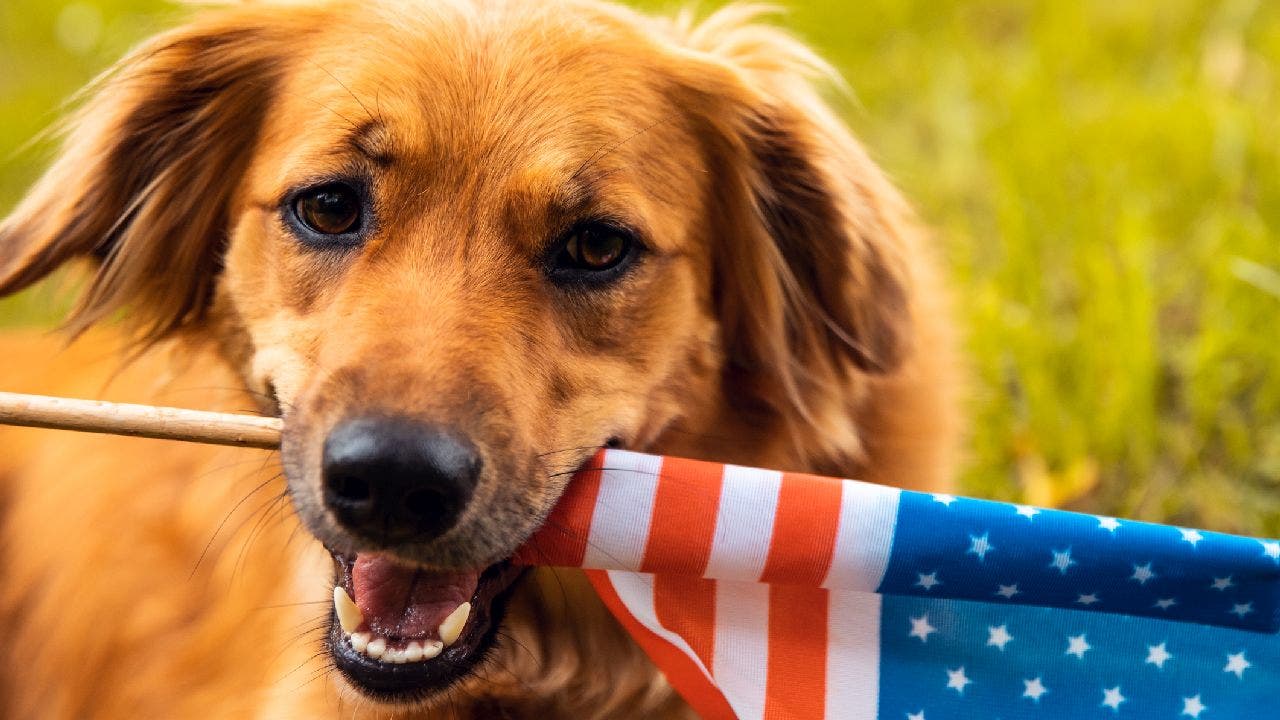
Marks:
<point>407,602</point>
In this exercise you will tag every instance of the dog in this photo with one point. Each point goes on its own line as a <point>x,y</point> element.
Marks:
<point>458,246</point>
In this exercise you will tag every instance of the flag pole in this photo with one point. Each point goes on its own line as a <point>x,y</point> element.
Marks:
<point>148,421</point>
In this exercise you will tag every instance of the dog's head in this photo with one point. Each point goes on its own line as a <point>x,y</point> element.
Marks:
<point>462,246</point>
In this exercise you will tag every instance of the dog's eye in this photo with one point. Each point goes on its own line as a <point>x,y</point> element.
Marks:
<point>592,252</point>
<point>332,209</point>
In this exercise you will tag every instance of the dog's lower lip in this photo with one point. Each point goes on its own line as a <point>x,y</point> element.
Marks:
<point>397,680</point>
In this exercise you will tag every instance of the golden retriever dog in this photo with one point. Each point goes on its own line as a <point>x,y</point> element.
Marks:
<point>458,246</point>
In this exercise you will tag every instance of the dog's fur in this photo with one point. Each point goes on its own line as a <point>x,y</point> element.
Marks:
<point>785,315</point>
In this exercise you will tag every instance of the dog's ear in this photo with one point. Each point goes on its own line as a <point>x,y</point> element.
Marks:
<point>147,169</point>
<point>811,240</point>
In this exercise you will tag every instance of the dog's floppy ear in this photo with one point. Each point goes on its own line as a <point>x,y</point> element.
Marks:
<point>810,238</point>
<point>147,169</point>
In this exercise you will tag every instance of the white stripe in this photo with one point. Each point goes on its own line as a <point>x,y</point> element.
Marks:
<point>868,517</point>
<point>636,591</point>
<point>624,507</point>
<point>853,655</point>
<point>741,657</point>
<point>744,523</point>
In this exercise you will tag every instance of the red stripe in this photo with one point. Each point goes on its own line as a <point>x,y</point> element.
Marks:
<point>796,688</point>
<point>804,530</point>
<point>562,539</point>
<point>681,671</point>
<point>684,517</point>
<point>687,606</point>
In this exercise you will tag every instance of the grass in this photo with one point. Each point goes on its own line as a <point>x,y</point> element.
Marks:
<point>1104,179</point>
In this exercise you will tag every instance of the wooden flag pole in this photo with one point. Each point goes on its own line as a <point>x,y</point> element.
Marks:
<point>140,420</point>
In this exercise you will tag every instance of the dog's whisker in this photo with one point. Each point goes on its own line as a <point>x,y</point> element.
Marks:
<point>224,521</point>
<point>260,514</point>
<point>343,85</point>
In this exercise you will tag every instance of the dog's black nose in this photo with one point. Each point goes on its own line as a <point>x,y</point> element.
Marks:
<point>397,480</point>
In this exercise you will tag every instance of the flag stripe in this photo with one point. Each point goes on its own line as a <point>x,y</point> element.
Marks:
<point>797,661</point>
<point>684,517</point>
<point>748,502</point>
<point>804,530</point>
<point>624,505</point>
<point>853,658</point>
<point>742,645</point>
<point>687,606</point>
<point>629,596</point>
<point>868,516</point>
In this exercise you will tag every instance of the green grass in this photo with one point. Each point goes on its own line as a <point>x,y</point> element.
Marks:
<point>1104,178</point>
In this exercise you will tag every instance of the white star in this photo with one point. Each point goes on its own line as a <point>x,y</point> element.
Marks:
<point>1193,707</point>
<point>1078,646</point>
<point>928,581</point>
<point>1271,549</point>
<point>1089,599</point>
<point>998,636</point>
<point>916,715</point>
<point>957,681</point>
<point>1027,511</point>
<point>1158,655</point>
<point>1108,523</point>
<point>1142,573</point>
<point>1034,689</point>
<point>1062,560</point>
<point>980,545</point>
<point>921,628</point>
<point>1008,591</point>
<point>1222,583</point>
<point>1112,698</point>
<point>1165,603</point>
<point>944,498</point>
<point>1237,664</point>
<point>1191,536</point>
<point>1241,609</point>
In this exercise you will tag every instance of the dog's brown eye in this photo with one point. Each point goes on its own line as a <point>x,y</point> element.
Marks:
<point>593,248</point>
<point>332,209</point>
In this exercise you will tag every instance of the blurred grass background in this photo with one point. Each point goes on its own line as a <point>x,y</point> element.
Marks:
<point>1104,180</point>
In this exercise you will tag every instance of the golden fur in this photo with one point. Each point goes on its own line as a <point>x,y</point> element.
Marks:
<point>786,315</point>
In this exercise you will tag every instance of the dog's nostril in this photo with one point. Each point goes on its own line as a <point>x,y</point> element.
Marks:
<point>349,488</point>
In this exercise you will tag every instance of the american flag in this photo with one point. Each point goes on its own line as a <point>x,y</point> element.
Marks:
<point>764,594</point>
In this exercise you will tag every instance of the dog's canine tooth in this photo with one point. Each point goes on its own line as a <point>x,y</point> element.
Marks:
<point>452,626</point>
<point>360,641</point>
<point>431,649</point>
<point>349,616</point>
<point>376,648</point>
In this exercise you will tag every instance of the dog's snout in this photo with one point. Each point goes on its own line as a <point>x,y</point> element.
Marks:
<point>397,480</point>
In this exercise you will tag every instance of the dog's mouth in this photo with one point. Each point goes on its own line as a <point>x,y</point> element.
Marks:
<point>401,633</point>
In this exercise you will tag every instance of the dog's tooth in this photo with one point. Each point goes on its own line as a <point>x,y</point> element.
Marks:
<point>360,641</point>
<point>393,655</point>
<point>349,616</point>
<point>376,649</point>
<point>413,653</point>
<point>452,626</point>
<point>431,649</point>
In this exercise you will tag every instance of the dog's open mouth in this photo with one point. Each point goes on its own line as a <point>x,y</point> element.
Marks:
<point>402,633</point>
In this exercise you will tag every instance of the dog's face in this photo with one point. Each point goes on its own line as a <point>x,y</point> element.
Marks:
<point>463,246</point>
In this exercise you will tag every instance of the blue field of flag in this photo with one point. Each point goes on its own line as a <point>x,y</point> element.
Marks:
<point>1004,611</point>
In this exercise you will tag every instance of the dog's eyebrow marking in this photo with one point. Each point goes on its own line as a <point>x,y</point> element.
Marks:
<point>370,139</point>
